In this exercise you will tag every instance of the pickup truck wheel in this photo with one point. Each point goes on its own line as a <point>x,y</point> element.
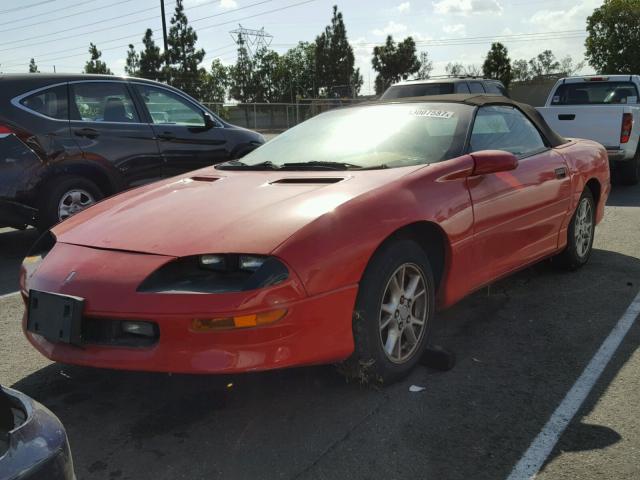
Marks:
<point>580,234</point>
<point>393,314</point>
<point>629,171</point>
<point>63,197</point>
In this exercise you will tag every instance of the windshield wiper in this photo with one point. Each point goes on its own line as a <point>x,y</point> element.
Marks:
<point>319,165</point>
<point>238,165</point>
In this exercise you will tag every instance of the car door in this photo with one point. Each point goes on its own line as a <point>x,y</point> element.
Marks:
<point>187,140</point>
<point>518,213</point>
<point>109,129</point>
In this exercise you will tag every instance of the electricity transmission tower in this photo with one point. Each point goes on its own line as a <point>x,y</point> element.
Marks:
<point>253,39</point>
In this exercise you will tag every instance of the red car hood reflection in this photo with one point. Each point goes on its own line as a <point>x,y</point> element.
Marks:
<point>211,211</point>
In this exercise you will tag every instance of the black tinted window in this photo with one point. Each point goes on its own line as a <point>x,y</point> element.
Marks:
<point>476,87</point>
<point>102,102</point>
<point>166,107</point>
<point>51,102</point>
<point>505,128</point>
<point>462,87</point>
<point>590,93</point>
<point>418,90</point>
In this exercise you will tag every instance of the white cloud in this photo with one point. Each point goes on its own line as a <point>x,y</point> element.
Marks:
<point>457,29</point>
<point>404,7</point>
<point>227,4</point>
<point>467,7</point>
<point>392,28</point>
<point>567,19</point>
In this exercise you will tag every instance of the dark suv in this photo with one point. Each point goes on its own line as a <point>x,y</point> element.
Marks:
<point>66,141</point>
<point>444,86</point>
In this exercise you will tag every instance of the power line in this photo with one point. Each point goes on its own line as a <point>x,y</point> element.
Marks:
<point>64,17</point>
<point>49,59</point>
<point>75,35</point>
<point>24,7</point>
<point>57,10</point>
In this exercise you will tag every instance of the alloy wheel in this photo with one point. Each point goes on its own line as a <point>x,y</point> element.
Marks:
<point>583,228</point>
<point>73,202</point>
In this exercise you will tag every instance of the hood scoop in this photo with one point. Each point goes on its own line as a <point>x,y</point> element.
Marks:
<point>204,179</point>
<point>307,181</point>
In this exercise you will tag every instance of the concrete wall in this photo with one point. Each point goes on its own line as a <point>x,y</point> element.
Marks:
<point>533,92</point>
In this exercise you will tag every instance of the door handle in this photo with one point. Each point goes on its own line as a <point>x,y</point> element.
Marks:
<point>565,116</point>
<point>167,136</point>
<point>561,172</point>
<point>87,132</point>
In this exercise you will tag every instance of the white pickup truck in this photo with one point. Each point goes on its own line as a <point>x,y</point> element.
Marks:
<point>603,108</point>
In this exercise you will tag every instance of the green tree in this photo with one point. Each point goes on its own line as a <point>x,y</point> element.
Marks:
<point>498,64</point>
<point>299,65</point>
<point>544,63</point>
<point>184,71</point>
<point>150,58</point>
<point>426,67</point>
<point>215,83</point>
<point>242,75</point>
<point>132,67</point>
<point>520,70</point>
<point>394,62</point>
<point>335,72</point>
<point>455,69</point>
<point>33,68</point>
<point>568,68</point>
<point>613,36</point>
<point>95,65</point>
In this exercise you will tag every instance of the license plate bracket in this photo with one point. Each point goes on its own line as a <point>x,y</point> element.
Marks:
<point>58,318</point>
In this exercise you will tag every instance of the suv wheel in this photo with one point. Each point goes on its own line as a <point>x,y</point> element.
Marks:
<point>65,196</point>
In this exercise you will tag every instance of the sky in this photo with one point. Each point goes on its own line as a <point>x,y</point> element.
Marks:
<point>57,32</point>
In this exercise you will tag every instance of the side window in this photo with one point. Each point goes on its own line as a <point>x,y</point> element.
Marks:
<point>476,87</point>
<point>51,102</point>
<point>495,87</point>
<point>505,128</point>
<point>102,102</point>
<point>462,87</point>
<point>166,107</point>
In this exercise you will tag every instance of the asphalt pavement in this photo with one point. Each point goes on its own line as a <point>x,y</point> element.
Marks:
<point>520,346</point>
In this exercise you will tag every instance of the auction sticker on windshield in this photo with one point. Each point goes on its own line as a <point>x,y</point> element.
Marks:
<point>421,112</point>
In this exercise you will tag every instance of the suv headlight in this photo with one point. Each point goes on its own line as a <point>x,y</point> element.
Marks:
<point>216,273</point>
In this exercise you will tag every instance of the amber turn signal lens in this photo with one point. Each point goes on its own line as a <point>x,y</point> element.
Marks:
<point>241,321</point>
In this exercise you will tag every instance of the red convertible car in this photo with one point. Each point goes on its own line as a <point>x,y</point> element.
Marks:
<point>336,241</point>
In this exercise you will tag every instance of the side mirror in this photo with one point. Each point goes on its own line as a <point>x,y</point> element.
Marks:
<point>493,161</point>
<point>208,120</point>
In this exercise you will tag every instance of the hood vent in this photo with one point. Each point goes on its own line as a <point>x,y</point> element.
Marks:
<point>205,179</point>
<point>307,181</point>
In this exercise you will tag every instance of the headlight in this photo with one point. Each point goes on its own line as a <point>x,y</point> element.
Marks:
<point>216,273</point>
<point>38,251</point>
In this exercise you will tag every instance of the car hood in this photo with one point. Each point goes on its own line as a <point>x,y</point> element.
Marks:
<point>217,211</point>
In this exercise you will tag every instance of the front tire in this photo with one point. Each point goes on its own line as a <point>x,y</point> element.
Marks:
<point>393,315</point>
<point>63,197</point>
<point>580,234</point>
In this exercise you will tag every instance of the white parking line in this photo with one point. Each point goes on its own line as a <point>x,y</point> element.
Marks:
<point>13,294</point>
<point>542,446</point>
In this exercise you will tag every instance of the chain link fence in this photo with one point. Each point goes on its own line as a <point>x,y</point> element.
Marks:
<point>274,116</point>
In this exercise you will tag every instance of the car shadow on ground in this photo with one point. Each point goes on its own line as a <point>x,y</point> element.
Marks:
<point>14,245</point>
<point>520,346</point>
<point>624,196</point>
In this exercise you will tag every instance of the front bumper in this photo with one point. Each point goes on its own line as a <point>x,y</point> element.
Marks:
<point>38,448</point>
<point>13,214</point>
<point>315,329</point>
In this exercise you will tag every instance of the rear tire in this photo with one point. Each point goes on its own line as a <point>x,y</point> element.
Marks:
<point>580,234</point>
<point>629,172</point>
<point>393,315</point>
<point>64,196</point>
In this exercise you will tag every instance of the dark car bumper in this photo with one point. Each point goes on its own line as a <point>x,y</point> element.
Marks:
<point>13,214</point>
<point>37,448</point>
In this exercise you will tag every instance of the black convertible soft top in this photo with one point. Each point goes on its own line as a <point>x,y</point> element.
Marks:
<point>481,100</point>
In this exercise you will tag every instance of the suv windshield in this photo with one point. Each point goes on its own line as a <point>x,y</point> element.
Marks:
<point>595,93</point>
<point>418,90</point>
<point>377,136</point>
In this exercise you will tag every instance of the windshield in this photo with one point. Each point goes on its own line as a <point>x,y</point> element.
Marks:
<point>595,93</point>
<point>375,136</point>
<point>417,90</point>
